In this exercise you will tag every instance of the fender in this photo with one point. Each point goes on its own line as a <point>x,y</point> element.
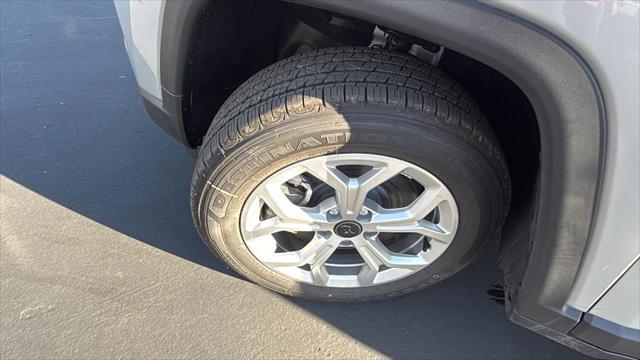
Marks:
<point>178,23</point>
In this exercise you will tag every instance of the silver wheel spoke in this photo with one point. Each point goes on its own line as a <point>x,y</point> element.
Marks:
<point>368,181</point>
<point>369,271</point>
<point>284,209</point>
<point>372,261</point>
<point>275,224</point>
<point>310,254</point>
<point>333,177</point>
<point>416,211</point>
<point>352,192</point>
<point>317,265</point>
<point>372,248</point>
<point>421,227</point>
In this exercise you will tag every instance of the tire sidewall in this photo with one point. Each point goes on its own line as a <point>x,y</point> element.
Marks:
<point>383,131</point>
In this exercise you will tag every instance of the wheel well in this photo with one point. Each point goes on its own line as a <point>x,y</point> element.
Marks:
<point>233,39</point>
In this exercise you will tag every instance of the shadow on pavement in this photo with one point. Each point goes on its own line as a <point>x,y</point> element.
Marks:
<point>74,130</point>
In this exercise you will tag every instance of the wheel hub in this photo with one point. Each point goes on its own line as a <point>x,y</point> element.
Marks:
<point>347,229</point>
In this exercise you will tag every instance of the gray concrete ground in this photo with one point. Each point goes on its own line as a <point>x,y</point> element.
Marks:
<point>99,258</point>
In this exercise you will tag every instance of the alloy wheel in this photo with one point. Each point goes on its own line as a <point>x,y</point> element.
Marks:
<point>349,220</point>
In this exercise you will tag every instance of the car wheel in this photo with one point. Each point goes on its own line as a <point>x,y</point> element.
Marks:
<point>349,174</point>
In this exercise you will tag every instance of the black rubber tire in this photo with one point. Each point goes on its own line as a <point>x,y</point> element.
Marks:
<point>349,100</point>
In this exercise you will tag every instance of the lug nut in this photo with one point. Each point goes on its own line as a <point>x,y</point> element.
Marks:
<point>364,212</point>
<point>333,211</point>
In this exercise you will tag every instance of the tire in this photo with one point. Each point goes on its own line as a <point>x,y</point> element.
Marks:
<point>349,101</point>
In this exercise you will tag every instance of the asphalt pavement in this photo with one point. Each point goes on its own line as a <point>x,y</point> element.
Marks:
<point>98,254</point>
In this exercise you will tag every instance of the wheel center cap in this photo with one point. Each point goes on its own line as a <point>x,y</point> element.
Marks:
<point>347,229</point>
